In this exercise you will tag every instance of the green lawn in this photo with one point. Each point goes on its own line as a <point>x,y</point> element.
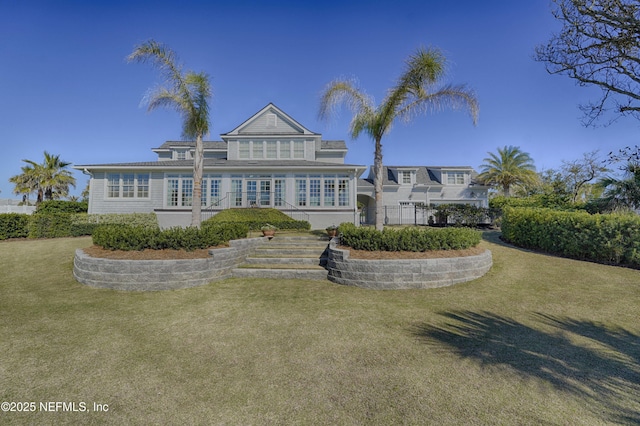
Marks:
<point>538,340</point>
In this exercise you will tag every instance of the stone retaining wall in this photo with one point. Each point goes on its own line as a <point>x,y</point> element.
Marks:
<point>404,273</point>
<point>146,275</point>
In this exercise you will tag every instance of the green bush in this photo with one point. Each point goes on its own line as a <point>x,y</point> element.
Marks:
<point>125,237</point>
<point>50,225</point>
<point>60,206</point>
<point>144,220</point>
<point>257,218</point>
<point>14,225</point>
<point>408,239</point>
<point>464,214</point>
<point>611,238</point>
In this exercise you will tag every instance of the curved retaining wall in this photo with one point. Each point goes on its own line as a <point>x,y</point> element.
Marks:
<point>147,275</point>
<point>404,273</point>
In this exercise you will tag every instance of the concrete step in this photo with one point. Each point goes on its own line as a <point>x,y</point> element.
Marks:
<point>301,274</point>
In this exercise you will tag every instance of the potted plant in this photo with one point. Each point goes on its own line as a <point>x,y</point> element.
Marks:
<point>268,230</point>
<point>332,231</point>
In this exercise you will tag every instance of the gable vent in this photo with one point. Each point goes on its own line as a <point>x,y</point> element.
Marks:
<point>272,120</point>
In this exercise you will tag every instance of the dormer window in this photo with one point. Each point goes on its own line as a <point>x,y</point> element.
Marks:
<point>180,154</point>
<point>455,178</point>
<point>406,177</point>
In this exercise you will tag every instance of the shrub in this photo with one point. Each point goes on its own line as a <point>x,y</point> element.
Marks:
<point>408,239</point>
<point>144,220</point>
<point>50,225</point>
<point>255,219</point>
<point>14,225</point>
<point>125,237</point>
<point>612,238</point>
<point>60,206</point>
<point>464,214</point>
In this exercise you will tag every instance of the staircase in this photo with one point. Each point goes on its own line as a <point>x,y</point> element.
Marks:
<point>301,257</point>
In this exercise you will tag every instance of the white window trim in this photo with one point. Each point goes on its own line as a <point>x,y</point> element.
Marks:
<point>120,198</point>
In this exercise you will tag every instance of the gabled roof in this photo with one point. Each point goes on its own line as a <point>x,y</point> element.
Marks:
<point>270,120</point>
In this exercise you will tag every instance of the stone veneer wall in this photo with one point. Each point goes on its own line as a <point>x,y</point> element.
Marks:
<point>404,273</point>
<point>147,275</point>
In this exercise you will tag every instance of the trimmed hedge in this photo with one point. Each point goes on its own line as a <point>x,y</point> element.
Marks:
<point>14,225</point>
<point>610,238</point>
<point>408,239</point>
<point>61,206</point>
<point>257,218</point>
<point>124,237</point>
<point>57,225</point>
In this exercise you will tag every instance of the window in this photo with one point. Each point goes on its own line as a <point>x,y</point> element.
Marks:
<point>143,186</point>
<point>301,191</point>
<point>181,154</point>
<point>272,149</point>
<point>173,186</point>
<point>186,195</point>
<point>279,191</point>
<point>257,150</point>
<point>455,178</point>
<point>314,191</point>
<point>214,195</point>
<point>329,192</point>
<point>236,191</point>
<point>127,185</point>
<point>243,149</point>
<point>298,149</point>
<point>404,177</point>
<point>285,149</point>
<point>343,191</point>
<point>128,181</point>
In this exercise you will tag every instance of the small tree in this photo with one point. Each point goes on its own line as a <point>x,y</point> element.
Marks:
<point>578,173</point>
<point>49,180</point>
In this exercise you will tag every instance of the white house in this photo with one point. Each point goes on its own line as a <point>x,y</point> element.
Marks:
<point>409,190</point>
<point>270,160</point>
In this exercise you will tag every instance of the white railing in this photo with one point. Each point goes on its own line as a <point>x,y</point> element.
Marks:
<point>17,209</point>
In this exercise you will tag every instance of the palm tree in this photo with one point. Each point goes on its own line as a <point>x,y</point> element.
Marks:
<point>622,194</point>
<point>49,179</point>
<point>188,93</point>
<point>511,166</point>
<point>416,91</point>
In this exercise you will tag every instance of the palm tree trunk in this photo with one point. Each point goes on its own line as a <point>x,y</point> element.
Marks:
<point>377,185</point>
<point>198,163</point>
<point>506,190</point>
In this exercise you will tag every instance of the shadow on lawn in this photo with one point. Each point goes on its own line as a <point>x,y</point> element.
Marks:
<point>604,368</point>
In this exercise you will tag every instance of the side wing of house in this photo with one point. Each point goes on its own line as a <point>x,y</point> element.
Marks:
<point>405,187</point>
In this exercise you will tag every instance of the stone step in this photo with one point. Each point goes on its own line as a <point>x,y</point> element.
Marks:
<point>278,260</point>
<point>301,274</point>
<point>280,266</point>
<point>287,252</point>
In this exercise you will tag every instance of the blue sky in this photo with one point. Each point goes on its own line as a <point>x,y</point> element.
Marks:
<point>65,86</point>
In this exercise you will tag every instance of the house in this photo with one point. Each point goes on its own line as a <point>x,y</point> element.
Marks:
<point>409,191</point>
<point>270,160</point>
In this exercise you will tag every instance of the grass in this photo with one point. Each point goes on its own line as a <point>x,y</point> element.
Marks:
<point>538,340</point>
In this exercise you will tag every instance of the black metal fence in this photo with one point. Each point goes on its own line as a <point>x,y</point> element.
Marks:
<point>428,215</point>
